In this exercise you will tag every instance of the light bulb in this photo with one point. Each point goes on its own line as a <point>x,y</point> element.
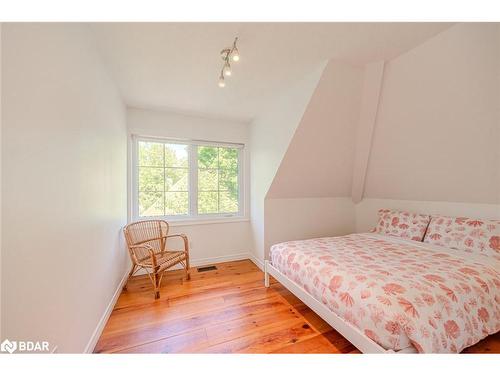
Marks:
<point>227,70</point>
<point>236,55</point>
<point>221,82</point>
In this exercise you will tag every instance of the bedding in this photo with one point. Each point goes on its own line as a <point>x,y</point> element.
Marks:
<point>402,224</point>
<point>399,292</point>
<point>463,233</point>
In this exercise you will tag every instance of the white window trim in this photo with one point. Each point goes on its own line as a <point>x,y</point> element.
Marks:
<point>193,218</point>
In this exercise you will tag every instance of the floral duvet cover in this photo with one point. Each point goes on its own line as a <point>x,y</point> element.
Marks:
<point>399,292</point>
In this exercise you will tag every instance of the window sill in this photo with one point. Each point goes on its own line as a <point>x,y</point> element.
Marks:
<point>212,220</point>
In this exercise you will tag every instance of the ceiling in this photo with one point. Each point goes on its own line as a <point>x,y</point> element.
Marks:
<point>175,66</point>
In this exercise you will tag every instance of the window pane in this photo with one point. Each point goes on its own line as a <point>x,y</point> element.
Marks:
<point>228,180</point>
<point>208,202</point>
<point>150,154</point>
<point>228,158</point>
<point>150,179</point>
<point>151,204</point>
<point>176,179</point>
<point>207,157</point>
<point>176,203</point>
<point>207,179</point>
<point>228,202</point>
<point>176,155</point>
<point>217,180</point>
<point>164,178</point>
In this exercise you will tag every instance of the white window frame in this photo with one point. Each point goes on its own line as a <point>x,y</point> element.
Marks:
<point>193,217</point>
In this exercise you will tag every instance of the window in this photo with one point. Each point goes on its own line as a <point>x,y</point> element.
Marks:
<point>163,172</point>
<point>186,180</point>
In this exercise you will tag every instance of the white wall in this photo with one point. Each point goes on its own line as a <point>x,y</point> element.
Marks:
<point>435,147</point>
<point>438,126</point>
<point>270,135</point>
<point>372,84</point>
<point>428,141</point>
<point>208,242</point>
<point>310,194</point>
<point>319,159</point>
<point>64,185</point>
<point>290,219</point>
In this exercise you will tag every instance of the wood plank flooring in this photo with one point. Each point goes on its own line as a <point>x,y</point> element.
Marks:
<point>224,311</point>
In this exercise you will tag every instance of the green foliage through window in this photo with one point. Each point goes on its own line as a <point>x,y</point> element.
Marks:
<point>163,179</point>
<point>217,180</point>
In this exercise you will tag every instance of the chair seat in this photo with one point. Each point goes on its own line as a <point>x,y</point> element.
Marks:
<point>166,259</point>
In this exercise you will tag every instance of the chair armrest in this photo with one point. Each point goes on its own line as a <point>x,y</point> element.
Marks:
<point>133,250</point>
<point>184,238</point>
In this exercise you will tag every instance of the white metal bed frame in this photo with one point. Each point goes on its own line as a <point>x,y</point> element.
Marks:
<point>350,332</point>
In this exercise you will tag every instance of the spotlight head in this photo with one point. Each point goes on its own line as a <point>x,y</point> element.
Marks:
<point>222,83</point>
<point>235,55</point>
<point>227,70</point>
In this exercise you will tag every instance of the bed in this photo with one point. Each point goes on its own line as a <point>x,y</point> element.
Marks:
<point>387,294</point>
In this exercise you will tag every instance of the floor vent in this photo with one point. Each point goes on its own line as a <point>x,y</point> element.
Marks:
<point>207,268</point>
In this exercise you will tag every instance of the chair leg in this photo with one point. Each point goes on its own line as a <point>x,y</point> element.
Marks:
<point>157,280</point>
<point>129,275</point>
<point>188,271</point>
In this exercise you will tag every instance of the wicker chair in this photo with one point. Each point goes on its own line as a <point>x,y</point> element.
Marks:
<point>147,246</point>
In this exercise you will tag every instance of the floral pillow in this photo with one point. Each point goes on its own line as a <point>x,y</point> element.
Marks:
<point>402,224</point>
<point>463,233</point>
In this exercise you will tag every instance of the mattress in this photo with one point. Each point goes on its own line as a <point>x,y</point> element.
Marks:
<point>399,292</point>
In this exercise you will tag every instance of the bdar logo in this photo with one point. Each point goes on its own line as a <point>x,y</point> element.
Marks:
<point>8,346</point>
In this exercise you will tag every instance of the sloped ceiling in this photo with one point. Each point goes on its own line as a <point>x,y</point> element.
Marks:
<point>436,128</point>
<point>319,159</point>
<point>175,66</point>
<point>437,133</point>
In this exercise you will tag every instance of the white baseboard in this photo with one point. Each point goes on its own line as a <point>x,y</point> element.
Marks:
<point>257,262</point>
<point>104,319</point>
<point>221,259</point>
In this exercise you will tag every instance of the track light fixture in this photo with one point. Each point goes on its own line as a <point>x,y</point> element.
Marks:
<point>227,55</point>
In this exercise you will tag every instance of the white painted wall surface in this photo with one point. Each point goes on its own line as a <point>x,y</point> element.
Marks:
<point>209,242</point>
<point>310,194</point>
<point>372,85</point>
<point>64,185</point>
<point>300,218</point>
<point>437,132</point>
<point>436,147</point>
<point>270,135</point>
<point>319,159</point>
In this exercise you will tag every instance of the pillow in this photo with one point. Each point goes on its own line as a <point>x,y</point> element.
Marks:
<point>402,224</point>
<point>463,233</point>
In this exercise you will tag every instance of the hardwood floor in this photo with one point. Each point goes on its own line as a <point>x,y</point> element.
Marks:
<point>224,311</point>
